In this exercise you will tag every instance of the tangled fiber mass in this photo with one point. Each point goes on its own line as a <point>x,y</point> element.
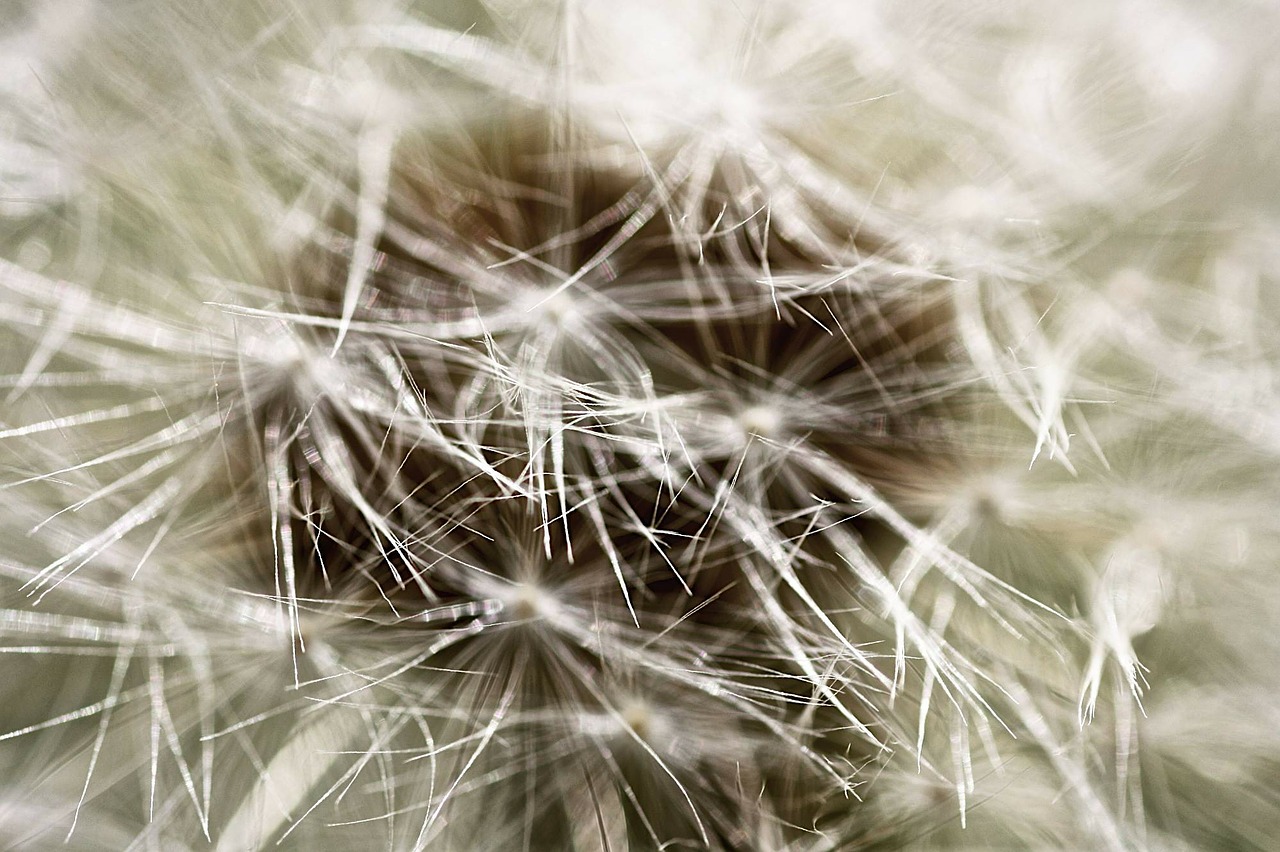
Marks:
<point>689,424</point>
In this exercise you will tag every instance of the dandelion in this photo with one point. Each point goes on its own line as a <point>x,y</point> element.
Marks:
<point>594,426</point>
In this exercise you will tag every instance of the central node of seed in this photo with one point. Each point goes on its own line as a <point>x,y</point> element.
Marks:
<point>529,603</point>
<point>291,361</point>
<point>556,308</point>
<point>992,498</point>
<point>760,421</point>
<point>640,718</point>
<point>737,107</point>
<point>560,308</point>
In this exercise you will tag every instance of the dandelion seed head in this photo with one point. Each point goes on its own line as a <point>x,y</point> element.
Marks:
<point>32,177</point>
<point>285,359</point>
<point>759,421</point>
<point>736,108</point>
<point>54,29</point>
<point>996,497</point>
<point>560,309</point>
<point>35,254</point>
<point>1129,288</point>
<point>1133,589</point>
<point>1042,84</point>
<point>531,602</point>
<point>970,203</point>
<point>1177,59</point>
<point>593,425</point>
<point>631,717</point>
<point>640,717</point>
<point>353,93</point>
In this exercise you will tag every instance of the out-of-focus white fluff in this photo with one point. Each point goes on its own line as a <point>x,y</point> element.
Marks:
<point>590,425</point>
